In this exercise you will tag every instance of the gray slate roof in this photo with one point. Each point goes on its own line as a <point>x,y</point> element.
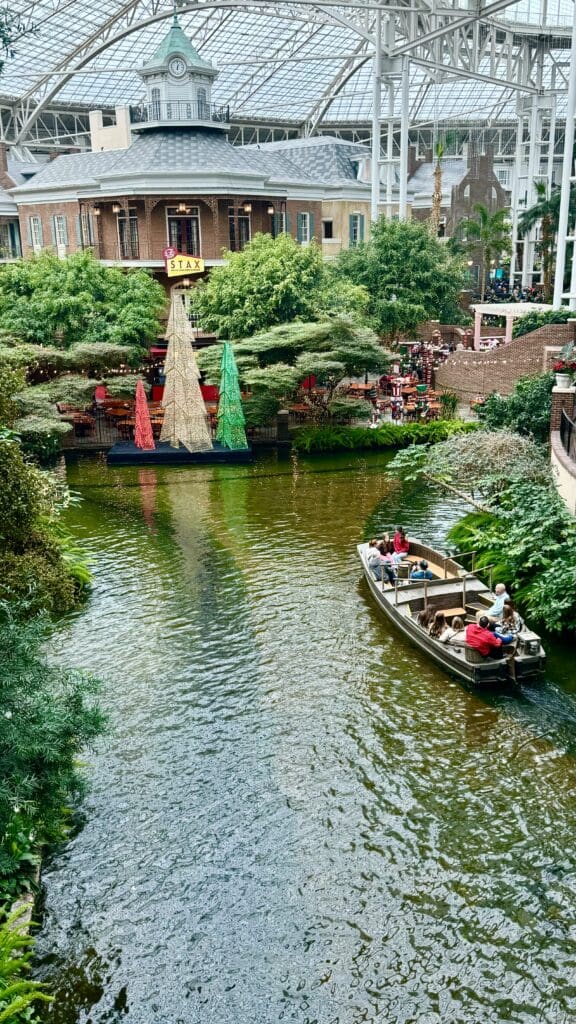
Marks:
<point>453,170</point>
<point>72,169</point>
<point>170,150</point>
<point>324,157</point>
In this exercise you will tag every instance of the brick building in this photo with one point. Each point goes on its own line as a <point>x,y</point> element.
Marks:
<point>181,183</point>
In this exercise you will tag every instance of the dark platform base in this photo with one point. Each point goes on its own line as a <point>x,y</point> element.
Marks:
<point>125,453</point>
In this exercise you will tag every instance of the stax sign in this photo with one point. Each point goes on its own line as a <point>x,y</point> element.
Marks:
<point>176,263</point>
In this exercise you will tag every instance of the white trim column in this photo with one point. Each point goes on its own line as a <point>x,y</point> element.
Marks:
<point>404,126</point>
<point>566,174</point>
<point>376,108</point>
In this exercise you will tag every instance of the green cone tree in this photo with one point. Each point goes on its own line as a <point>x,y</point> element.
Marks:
<point>230,432</point>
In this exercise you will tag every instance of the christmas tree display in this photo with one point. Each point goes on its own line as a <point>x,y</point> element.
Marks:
<point>231,432</point>
<point>143,437</point>
<point>185,416</point>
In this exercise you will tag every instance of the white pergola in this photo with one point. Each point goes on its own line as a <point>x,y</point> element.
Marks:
<point>302,63</point>
<point>510,310</point>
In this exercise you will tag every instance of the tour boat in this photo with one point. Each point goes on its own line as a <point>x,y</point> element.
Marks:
<point>456,592</point>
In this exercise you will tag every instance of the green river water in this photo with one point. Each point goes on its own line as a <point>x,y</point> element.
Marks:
<point>296,817</point>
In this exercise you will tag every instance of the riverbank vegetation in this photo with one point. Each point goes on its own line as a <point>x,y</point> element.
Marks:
<point>526,411</point>
<point>387,436</point>
<point>519,524</point>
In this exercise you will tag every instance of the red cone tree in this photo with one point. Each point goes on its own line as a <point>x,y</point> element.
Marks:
<point>143,437</point>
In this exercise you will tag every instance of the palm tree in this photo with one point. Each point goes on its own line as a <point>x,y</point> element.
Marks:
<point>437,193</point>
<point>546,212</point>
<point>487,234</point>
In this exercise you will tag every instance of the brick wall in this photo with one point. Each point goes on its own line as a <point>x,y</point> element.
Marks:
<point>214,226</point>
<point>480,373</point>
<point>46,211</point>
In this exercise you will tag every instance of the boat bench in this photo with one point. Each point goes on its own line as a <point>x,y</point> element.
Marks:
<point>450,613</point>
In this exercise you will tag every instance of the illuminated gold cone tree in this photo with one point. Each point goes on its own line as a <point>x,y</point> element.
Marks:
<point>185,416</point>
<point>231,432</point>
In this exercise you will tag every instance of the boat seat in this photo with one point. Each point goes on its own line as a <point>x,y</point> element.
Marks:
<point>451,613</point>
<point>477,606</point>
<point>473,655</point>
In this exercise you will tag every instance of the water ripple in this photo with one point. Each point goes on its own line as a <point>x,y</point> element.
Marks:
<point>296,817</point>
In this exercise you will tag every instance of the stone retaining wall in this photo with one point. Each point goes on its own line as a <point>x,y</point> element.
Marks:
<point>480,373</point>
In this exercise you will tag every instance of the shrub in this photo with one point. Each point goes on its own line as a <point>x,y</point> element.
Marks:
<point>48,714</point>
<point>527,410</point>
<point>342,410</point>
<point>532,321</point>
<point>260,409</point>
<point>387,436</point>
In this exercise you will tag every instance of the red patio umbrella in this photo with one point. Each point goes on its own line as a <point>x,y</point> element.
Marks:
<point>143,437</point>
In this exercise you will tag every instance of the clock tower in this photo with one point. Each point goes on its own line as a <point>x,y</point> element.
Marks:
<point>178,87</point>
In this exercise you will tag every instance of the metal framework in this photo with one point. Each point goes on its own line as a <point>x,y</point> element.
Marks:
<point>388,73</point>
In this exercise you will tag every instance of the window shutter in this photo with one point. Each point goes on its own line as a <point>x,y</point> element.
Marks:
<point>311,226</point>
<point>53,230</point>
<point>79,231</point>
<point>350,230</point>
<point>287,224</point>
<point>361,228</point>
<point>276,224</point>
<point>299,227</point>
<point>91,228</point>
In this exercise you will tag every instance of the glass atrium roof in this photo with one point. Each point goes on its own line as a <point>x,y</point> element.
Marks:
<point>288,61</point>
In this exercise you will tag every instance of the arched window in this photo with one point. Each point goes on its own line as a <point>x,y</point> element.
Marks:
<point>467,192</point>
<point>155,105</point>
<point>202,104</point>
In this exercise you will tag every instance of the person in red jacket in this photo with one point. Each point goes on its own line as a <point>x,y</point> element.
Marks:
<point>401,543</point>
<point>483,639</point>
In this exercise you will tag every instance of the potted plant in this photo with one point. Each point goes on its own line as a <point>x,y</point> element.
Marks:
<point>565,366</point>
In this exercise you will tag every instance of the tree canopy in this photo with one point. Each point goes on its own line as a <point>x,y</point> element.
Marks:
<point>61,302</point>
<point>271,281</point>
<point>409,275</point>
<point>275,363</point>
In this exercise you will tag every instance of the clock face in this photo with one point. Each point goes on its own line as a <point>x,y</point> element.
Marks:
<point>177,67</point>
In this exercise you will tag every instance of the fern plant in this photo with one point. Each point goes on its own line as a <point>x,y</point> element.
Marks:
<point>17,991</point>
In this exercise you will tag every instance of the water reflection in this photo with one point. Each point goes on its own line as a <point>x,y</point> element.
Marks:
<point>298,818</point>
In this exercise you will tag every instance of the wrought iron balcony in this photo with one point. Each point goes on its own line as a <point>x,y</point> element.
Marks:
<point>178,113</point>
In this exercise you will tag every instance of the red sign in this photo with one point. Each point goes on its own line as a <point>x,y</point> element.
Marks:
<point>169,253</point>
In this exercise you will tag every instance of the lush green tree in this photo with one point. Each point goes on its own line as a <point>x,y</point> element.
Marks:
<point>526,411</point>
<point>408,274</point>
<point>37,565</point>
<point>271,281</point>
<point>60,302</point>
<point>276,362</point>
<point>487,234</point>
<point>48,715</point>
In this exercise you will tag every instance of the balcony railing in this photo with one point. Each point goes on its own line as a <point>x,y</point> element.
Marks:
<point>179,112</point>
<point>568,435</point>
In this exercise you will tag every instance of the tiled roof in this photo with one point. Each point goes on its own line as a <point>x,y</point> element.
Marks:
<point>453,170</point>
<point>72,169</point>
<point>176,41</point>
<point>323,158</point>
<point>168,151</point>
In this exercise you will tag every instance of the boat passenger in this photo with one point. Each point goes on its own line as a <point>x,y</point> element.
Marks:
<point>425,618</point>
<point>423,572</point>
<point>387,564</point>
<point>495,610</point>
<point>482,639</point>
<point>510,621</point>
<point>458,627</point>
<point>373,559</point>
<point>440,629</point>
<point>401,542</point>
